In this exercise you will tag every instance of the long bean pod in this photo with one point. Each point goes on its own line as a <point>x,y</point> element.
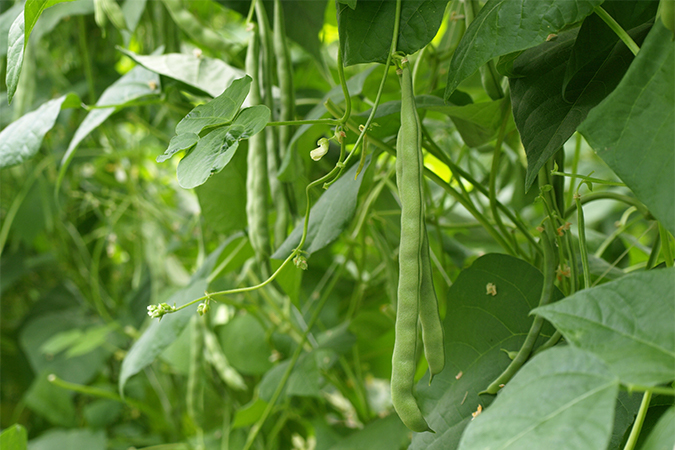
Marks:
<point>409,179</point>
<point>256,177</point>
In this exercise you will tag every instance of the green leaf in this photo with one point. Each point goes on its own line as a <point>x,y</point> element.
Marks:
<point>215,150</point>
<point>137,83</point>
<point>161,333</point>
<point>244,343</point>
<point>560,390</point>
<point>219,111</point>
<point>477,327</point>
<point>627,323</point>
<point>208,75</point>
<point>545,119</point>
<point>304,381</point>
<point>633,129</point>
<point>595,42</point>
<point>14,437</point>
<point>223,199</point>
<point>22,138</point>
<point>77,438</point>
<point>178,143</point>
<point>506,26</point>
<point>366,31</point>
<point>328,217</point>
<point>6,20</point>
<point>560,81</point>
<point>16,39</point>
<point>381,434</point>
<point>249,414</point>
<point>19,33</point>
<point>662,436</point>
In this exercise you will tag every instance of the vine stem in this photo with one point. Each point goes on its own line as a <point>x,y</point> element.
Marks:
<point>581,225</point>
<point>466,203</point>
<point>639,420</point>
<point>533,334</point>
<point>359,140</point>
<point>435,150</point>
<point>255,429</point>
<point>102,393</point>
<point>493,174</point>
<point>294,253</point>
<point>616,28</point>
<point>607,195</point>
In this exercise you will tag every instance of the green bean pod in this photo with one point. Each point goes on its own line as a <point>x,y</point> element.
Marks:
<point>279,194</point>
<point>409,179</point>
<point>285,77</point>
<point>430,319</point>
<point>256,177</point>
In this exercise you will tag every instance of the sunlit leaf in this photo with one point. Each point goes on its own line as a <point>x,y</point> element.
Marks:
<point>633,129</point>
<point>562,389</point>
<point>628,323</point>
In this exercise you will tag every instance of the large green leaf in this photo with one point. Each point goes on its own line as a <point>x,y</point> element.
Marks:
<point>478,326</point>
<point>206,74</point>
<point>633,129</point>
<point>506,26</point>
<point>561,390</point>
<point>162,333</point>
<point>328,217</point>
<point>21,139</point>
<point>596,40</point>
<point>14,437</point>
<point>366,31</point>
<point>628,323</point>
<point>19,33</point>
<point>138,82</point>
<point>223,198</point>
<point>215,150</point>
<point>662,437</point>
<point>219,111</point>
<point>545,118</point>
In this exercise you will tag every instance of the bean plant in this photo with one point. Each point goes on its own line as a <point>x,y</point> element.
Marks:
<point>350,224</point>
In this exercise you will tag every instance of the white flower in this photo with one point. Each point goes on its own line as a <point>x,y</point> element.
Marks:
<point>321,150</point>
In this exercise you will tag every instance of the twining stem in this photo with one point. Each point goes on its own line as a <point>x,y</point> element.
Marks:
<point>654,254</point>
<point>588,178</point>
<point>575,167</point>
<point>435,150</point>
<point>533,334</point>
<point>380,90</point>
<point>581,225</point>
<point>495,169</point>
<point>639,420</point>
<point>606,195</point>
<point>86,60</point>
<point>616,28</point>
<point>658,390</point>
